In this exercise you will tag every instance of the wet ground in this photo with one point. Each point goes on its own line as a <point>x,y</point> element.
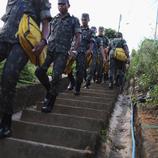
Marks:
<point>118,143</point>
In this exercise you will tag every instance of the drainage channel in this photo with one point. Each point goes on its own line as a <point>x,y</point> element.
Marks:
<point>118,142</point>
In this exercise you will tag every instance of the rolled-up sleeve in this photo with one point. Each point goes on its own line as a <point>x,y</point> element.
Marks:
<point>9,7</point>
<point>45,10</point>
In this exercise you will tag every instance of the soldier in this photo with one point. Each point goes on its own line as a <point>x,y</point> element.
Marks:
<point>86,47</point>
<point>64,28</point>
<point>115,64</point>
<point>11,50</point>
<point>101,55</point>
<point>97,44</point>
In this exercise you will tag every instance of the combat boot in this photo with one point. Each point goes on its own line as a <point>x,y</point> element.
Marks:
<point>48,103</point>
<point>77,89</point>
<point>70,86</point>
<point>5,126</point>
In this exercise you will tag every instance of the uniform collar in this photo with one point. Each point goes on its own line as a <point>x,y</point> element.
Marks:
<point>100,35</point>
<point>63,16</point>
<point>86,28</point>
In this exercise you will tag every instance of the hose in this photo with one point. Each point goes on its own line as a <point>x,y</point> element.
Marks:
<point>133,133</point>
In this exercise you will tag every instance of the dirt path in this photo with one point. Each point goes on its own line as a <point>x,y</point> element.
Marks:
<point>118,143</point>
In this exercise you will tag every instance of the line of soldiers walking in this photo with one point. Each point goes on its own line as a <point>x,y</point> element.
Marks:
<point>66,41</point>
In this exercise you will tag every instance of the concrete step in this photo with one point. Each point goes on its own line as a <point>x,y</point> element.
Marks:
<point>87,97</point>
<point>14,148</point>
<point>63,120</point>
<point>78,111</point>
<point>98,90</point>
<point>55,135</point>
<point>82,112</point>
<point>84,103</point>
<point>88,92</point>
<point>70,131</point>
<point>93,93</point>
<point>99,86</point>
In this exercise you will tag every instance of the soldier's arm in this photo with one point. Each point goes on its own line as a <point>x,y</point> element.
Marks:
<point>103,54</point>
<point>77,40</point>
<point>77,36</point>
<point>101,46</point>
<point>45,30</point>
<point>45,17</point>
<point>91,45</point>
<point>125,47</point>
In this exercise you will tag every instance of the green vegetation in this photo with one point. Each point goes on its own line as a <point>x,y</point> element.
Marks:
<point>27,75</point>
<point>144,68</point>
<point>103,134</point>
<point>110,33</point>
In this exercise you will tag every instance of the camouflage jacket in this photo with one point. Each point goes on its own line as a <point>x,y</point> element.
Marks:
<point>119,43</point>
<point>62,32</point>
<point>37,9</point>
<point>102,41</point>
<point>87,37</point>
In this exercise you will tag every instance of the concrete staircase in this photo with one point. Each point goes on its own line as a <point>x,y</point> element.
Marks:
<point>70,131</point>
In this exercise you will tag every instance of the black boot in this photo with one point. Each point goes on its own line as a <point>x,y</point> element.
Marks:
<point>48,103</point>
<point>5,126</point>
<point>77,89</point>
<point>110,85</point>
<point>72,82</point>
<point>87,84</point>
<point>70,86</point>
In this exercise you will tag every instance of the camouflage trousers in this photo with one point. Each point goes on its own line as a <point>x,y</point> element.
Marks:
<point>92,68</point>
<point>15,62</point>
<point>59,61</point>
<point>117,69</point>
<point>80,70</point>
<point>99,68</point>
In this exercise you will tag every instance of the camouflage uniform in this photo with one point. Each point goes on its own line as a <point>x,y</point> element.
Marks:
<point>93,65</point>
<point>115,64</point>
<point>105,42</point>
<point>63,29</point>
<point>10,48</point>
<point>86,39</point>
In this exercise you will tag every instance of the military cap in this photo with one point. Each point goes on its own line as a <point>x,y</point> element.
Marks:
<point>94,29</point>
<point>63,2</point>
<point>85,16</point>
<point>118,35</point>
<point>101,28</point>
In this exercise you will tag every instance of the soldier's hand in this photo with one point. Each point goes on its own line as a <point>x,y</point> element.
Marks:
<point>88,52</point>
<point>39,47</point>
<point>73,54</point>
<point>128,61</point>
<point>105,60</point>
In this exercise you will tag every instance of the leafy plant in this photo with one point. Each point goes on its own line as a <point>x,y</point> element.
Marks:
<point>144,67</point>
<point>27,75</point>
<point>110,33</point>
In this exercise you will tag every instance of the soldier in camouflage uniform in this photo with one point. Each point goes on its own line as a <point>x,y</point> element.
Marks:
<point>11,50</point>
<point>117,42</point>
<point>97,46</point>
<point>101,55</point>
<point>86,45</point>
<point>64,28</point>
